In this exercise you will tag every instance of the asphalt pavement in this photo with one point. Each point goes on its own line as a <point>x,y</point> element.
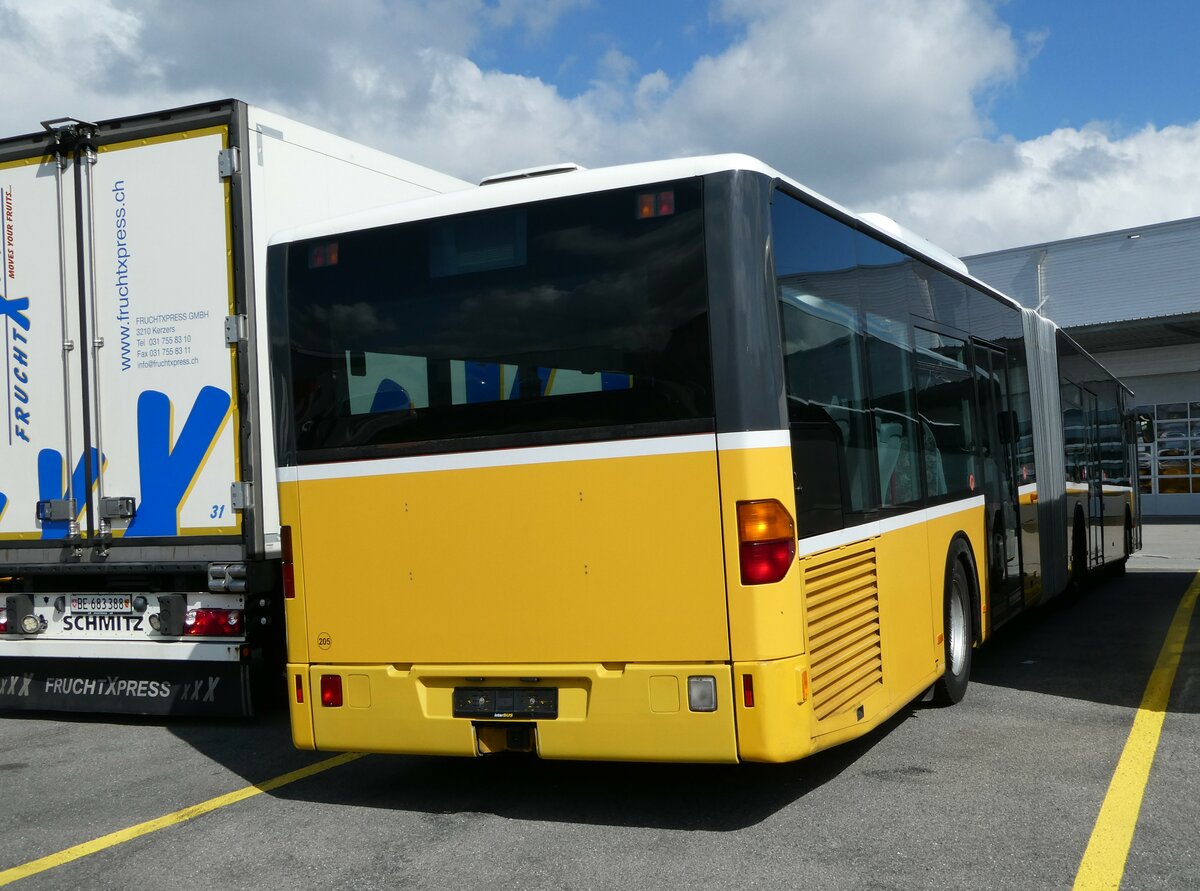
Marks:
<point>1002,791</point>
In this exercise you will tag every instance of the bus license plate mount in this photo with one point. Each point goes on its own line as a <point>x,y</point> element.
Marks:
<point>505,702</point>
<point>102,604</point>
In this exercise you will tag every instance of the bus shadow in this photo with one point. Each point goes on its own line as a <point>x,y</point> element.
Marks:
<point>713,798</point>
<point>1098,646</point>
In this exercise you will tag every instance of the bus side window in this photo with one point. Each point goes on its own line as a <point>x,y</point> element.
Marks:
<point>889,357</point>
<point>831,426</point>
<point>944,401</point>
<point>819,468</point>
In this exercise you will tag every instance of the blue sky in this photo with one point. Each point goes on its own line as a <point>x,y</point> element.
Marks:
<point>1125,63</point>
<point>981,124</point>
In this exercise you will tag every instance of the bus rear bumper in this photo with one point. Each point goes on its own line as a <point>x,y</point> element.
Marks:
<point>631,712</point>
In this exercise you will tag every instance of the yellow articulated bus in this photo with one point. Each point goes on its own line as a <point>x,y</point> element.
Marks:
<point>675,461</point>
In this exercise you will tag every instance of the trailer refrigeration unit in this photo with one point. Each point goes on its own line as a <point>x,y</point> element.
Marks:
<point>140,551</point>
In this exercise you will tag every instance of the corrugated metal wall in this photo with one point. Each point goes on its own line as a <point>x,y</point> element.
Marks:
<point>1117,276</point>
<point>1145,273</point>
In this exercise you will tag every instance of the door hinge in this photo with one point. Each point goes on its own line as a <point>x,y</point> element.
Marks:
<point>235,329</point>
<point>229,161</point>
<point>241,496</point>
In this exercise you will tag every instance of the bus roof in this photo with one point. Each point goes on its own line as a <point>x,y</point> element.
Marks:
<point>516,188</point>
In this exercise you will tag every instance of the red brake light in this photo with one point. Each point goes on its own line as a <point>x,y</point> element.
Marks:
<point>748,690</point>
<point>331,690</point>
<point>3,620</point>
<point>764,562</point>
<point>208,622</point>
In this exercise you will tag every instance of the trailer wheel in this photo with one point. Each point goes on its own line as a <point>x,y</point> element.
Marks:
<point>957,636</point>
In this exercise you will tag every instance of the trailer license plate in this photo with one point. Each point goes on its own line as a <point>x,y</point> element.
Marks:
<point>102,604</point>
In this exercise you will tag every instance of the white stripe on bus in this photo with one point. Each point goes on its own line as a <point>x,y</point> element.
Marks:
<point>852,534</point>
<point>584,451</point>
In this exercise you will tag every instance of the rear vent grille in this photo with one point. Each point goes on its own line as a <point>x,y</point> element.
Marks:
<point>843,631</point>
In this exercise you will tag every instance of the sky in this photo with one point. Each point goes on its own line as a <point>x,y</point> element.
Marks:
<point>980,124</point>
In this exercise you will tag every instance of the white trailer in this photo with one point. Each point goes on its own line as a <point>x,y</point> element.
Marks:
<point>140,547</point>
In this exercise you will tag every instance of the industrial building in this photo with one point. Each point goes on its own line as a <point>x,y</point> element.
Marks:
<point>1132,299</point>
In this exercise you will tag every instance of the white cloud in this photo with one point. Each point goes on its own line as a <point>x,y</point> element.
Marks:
<point>1061,185</point>
<point>881,104</point>
<point>538,16</point>
<point>850,95</point>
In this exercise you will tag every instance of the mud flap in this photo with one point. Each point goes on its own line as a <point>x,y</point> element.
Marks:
<point>215,689</point>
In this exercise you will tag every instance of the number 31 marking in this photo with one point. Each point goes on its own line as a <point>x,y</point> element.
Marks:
<point>217,511</point>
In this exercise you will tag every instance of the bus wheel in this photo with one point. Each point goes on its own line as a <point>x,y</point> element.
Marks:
<point>957,635</point>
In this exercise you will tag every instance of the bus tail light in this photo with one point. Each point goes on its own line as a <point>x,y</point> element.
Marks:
<point>206,622</point>
<point>748,690</point>
<point>300,688</point>
<point>766,541</point>
<point>331,690</point>
<point>3,620</point>
<point>289,571</point>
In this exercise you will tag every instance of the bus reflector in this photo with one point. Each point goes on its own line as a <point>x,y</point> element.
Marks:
<point>748,690</point>
<point>331,690</point>
<point>766,541</point>
<point>206,622</point>
<point>300,688</point>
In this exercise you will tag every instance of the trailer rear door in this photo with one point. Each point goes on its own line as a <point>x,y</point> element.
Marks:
<point>41,446</point>
<point>138,301</point>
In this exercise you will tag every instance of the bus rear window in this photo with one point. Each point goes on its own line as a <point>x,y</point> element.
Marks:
<point>566,319</point>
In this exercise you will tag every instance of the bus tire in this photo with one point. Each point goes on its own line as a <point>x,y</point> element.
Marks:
<point>957,636</point>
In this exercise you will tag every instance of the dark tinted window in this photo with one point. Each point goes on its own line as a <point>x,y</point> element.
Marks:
<point>897,444</point>
<point>945,400</point>
<point>832,431</point>
<point>543,320</point>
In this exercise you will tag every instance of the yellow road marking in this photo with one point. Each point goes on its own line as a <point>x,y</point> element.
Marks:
<point>33,867</point>
<point>1103,862</point>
